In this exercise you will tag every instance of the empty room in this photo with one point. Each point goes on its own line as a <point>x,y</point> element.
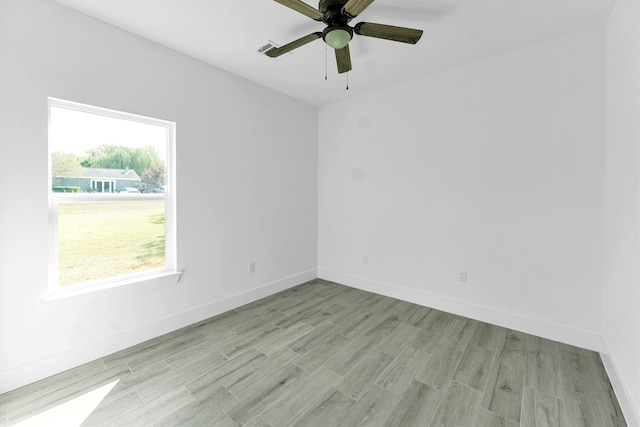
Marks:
<point>344,213</point>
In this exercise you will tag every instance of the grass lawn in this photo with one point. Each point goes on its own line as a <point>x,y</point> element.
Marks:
<point>105,239</point>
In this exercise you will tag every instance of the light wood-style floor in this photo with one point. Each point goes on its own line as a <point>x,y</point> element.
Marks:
<point>323,354</point>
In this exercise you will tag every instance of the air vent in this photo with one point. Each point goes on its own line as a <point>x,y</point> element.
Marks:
<point>267,46</point>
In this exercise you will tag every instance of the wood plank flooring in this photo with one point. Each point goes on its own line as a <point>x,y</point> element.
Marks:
<point>323,354</point>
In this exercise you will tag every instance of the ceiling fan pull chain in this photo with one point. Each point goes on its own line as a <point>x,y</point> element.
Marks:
<point>347,81</point>
<point>325,62</point>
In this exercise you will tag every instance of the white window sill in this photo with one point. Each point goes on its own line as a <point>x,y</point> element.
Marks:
<point>86,296</point>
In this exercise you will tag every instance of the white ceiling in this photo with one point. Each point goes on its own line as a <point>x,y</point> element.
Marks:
<point>227,34</point>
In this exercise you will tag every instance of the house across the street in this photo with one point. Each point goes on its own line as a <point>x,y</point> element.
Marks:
<point>100,180</point>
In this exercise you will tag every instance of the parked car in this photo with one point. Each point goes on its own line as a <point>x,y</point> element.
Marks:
<point>129,190</point>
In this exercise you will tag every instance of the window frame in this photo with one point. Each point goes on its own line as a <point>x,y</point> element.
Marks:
<point>169,197</point>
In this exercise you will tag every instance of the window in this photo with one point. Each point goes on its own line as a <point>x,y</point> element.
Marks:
<point>111,197</point>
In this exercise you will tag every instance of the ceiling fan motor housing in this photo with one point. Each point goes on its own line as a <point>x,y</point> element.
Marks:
<point>331,7</point>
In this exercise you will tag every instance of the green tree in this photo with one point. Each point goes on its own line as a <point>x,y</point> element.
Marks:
<point>65,165</point>
<point>122,157</point>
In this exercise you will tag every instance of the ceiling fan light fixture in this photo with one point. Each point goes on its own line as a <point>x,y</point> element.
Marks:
<point>338,37</point>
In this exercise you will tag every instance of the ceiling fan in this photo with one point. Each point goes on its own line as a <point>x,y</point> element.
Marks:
<point>337,14</point>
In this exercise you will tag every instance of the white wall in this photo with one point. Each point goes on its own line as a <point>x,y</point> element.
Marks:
<point>247,185</point>
<point>495,168</point>
<point>622,203</point>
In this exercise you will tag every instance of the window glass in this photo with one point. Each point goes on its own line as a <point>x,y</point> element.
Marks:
<point>110,200</point>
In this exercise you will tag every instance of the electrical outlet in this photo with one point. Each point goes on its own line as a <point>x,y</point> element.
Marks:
<point>251,267</point>
<point>462,277</point>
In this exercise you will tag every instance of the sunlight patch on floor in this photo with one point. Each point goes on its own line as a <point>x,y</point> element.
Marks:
<point>71,413</point>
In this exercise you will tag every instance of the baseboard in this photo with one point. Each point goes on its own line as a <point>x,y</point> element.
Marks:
<point>578,337</point>
<point>629,409</point>
<point>33,371</point>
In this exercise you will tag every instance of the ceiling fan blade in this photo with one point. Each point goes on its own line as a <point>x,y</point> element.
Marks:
<point>274,53</point>
<point>354,8</point>
<point>302,7</point>
<point>388,32</point>
<point>343,59</point>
